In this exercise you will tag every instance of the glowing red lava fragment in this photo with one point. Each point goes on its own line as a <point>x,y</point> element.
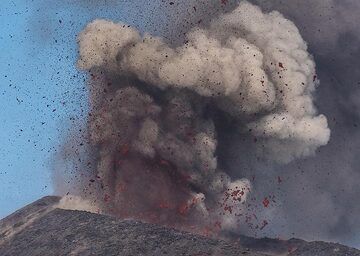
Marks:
<point>291,249</point>
<point>164,205</point>
<point>235,193</point>
<point>121,187</point>
<point>186,177</point>
<point>266,202</point>
<point>281,65</point>
<point>125,149</point>
<point>164,162</point>
<point>218,224</point>
<point>206,231</point>
<point>193,201</point>
<point>190,134</point>
<point>106,198</point>
<point>183,209</point>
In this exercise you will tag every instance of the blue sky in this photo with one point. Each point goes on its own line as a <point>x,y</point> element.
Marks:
<point>40,88</point>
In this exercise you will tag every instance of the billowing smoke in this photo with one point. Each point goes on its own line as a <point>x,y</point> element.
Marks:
<point>159,112</point>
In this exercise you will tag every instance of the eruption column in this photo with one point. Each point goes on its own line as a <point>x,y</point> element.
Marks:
<point>154,122</point>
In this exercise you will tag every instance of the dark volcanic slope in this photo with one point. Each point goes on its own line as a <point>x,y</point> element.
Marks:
<point>64,232</point>
<point>41,229</point>
<point>324,249</point>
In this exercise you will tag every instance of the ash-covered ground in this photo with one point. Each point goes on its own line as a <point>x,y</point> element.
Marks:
<point>41,228</point>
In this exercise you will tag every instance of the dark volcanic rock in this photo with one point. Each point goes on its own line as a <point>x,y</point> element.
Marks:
<point>63,232</point>
<point>24,217</point>
<point>42,229</point>
<point>324,249</point>
<point>51,231</point>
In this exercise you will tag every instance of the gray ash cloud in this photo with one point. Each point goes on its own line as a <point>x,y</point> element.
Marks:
<point>225,99</point>
<point>158,109</point>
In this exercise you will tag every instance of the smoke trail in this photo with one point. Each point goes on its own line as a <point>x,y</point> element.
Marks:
<point>158,111</point>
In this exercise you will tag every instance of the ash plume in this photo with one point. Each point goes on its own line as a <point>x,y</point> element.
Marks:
<point>316,196</point>
<point>161,115</point>
<point>246,65</point>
